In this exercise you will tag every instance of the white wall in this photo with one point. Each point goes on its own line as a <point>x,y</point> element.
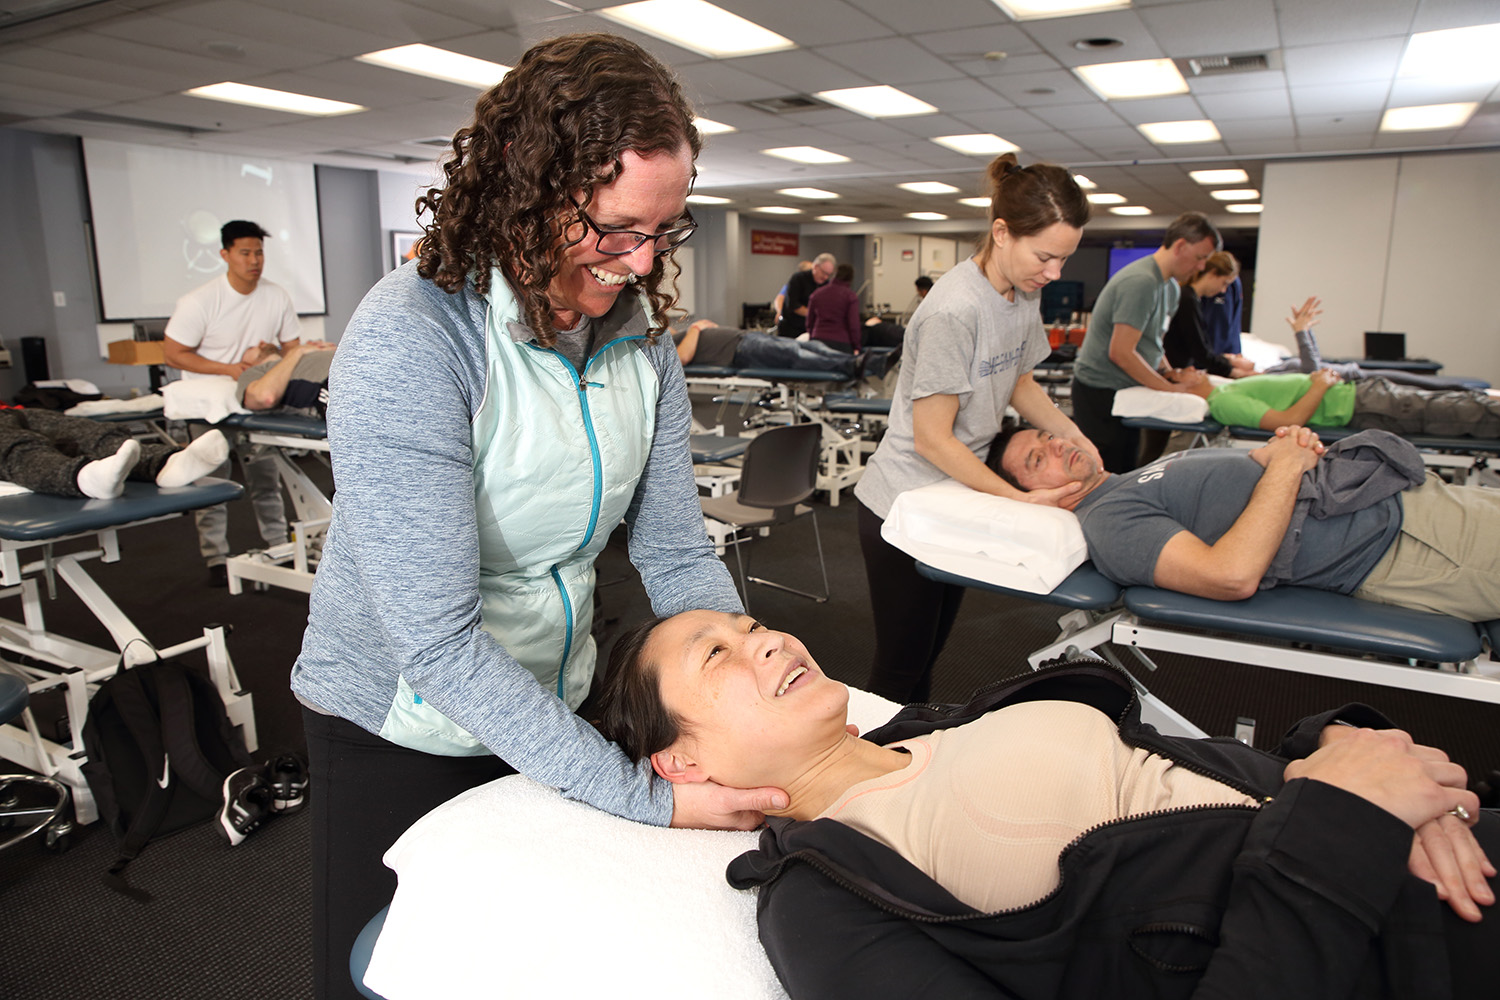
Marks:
<point>891,279</point>
<point>1402,243</point>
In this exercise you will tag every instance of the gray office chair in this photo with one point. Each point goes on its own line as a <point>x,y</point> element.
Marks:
<point>18,811</point>
<point>780,471</point>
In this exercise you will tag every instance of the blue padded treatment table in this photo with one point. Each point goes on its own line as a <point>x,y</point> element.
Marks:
<point>850,403</point>
<point>716,447</point>
<point>709,371</point>
<point>279,423</point>
<point>1208,427</point>
<point>32,517</point>
<point>1301,614</point>
<point>1085,588</point>
<point>1487,445</point>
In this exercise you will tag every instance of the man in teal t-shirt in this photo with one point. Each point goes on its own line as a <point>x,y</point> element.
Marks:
<point>1123,346</point>
<point>1322,399</point>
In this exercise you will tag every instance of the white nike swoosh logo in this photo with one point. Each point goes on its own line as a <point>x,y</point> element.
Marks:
<point>166,771</point>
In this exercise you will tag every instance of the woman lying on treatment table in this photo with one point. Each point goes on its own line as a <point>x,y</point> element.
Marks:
<point>1043,842</point>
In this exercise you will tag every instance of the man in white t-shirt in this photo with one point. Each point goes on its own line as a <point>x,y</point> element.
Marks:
<point>210,330</point>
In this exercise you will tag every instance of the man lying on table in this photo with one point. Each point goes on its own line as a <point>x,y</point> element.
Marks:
<point>1364,519</point>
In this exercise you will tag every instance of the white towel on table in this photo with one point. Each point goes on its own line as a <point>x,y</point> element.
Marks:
<point>1178,407</point>
<point>211,398</point>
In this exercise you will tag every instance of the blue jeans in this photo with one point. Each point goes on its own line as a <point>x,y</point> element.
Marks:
<point>760,350</point>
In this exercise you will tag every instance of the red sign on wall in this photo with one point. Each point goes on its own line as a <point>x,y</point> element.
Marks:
<point>772,241</point>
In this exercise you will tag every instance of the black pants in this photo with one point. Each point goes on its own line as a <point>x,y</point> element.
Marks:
<point>43,450</point>
<point>913,616</point>
<point>365,792</point>
<point>1118,445</point>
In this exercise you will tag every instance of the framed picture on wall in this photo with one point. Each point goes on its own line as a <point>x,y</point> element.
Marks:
<point>403,247</point>
<point>875,250</point>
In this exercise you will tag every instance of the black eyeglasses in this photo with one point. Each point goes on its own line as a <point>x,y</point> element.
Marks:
<point>619,242</point>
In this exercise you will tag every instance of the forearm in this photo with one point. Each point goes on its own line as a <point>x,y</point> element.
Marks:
<point>187,359</point>
<point>1300,412</point>
<point>1231,569</point>
<point>268,391</point>
<point>932,431</point>
<point>1123,353</point>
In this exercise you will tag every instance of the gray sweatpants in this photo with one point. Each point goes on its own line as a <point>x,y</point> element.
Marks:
<point>1381,404</point>
<point>43,450</point>
<point>262,483</point>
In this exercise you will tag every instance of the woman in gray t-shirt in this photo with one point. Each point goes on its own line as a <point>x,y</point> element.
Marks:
<point>968,354</point>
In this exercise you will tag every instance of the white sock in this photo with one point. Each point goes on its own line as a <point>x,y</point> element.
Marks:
<point>195,461</point>
<point>104,478</point>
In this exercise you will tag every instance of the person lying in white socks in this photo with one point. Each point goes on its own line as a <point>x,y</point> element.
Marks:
<point>49,452</point>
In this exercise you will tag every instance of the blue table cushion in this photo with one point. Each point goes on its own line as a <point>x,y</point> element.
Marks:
<point>716,447</point>
<point>791,375</point>
<point>709,371</point>
<point>1300,614</point>
<point>1085,588</point>
<point>1491,631</point>
<point>857,404</point>
<point>279,423</point>
<point>30,517</point>
<point>1207,425</point>
<point>1460,444</point>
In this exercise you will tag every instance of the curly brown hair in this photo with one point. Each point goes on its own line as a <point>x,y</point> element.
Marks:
<point>557,124</point>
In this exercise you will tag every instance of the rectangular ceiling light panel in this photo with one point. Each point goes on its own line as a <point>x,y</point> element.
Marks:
<point>438,64</point>
<point>699,27</point>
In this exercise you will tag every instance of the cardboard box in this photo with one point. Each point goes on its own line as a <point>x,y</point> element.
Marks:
<point>137,352</point>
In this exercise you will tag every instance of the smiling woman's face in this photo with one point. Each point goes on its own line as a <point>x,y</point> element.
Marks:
<point>750,699</point>
<point>648,196</point>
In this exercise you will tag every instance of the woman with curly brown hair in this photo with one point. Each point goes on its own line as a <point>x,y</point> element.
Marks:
<point>496,408</point>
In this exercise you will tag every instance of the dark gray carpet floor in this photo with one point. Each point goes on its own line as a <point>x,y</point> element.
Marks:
<point>233,922</point>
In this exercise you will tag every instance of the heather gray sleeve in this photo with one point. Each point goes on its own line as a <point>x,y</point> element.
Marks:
<point>667,542</point>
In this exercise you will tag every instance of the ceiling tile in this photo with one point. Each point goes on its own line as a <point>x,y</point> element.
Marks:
<point>826,22</point>
<point>891,61</point>
<point>957,95</point>
<point>1339,99</point>
<point>295,28</point>
<point>1435,15</point>
<point>1224,108</point>
<point>1214,27</point>
<point>799,71</point>
<point>1321,23</point>
<point>1407,93</point>
<point>1258,128</point>
<point>1158,109</point>
<point>1233,83</point>
<point>1033,89</point>
<point>972,43</point>
<point>1056,37</point>
<point>908,18</point>
<point>1343,62</point>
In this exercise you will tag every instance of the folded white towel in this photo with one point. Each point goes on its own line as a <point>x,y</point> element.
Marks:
<point>1006,542</point>
<point>211,398</point>
<point>510,890</point>
<point>1178,407</point>
<point>148,403</point>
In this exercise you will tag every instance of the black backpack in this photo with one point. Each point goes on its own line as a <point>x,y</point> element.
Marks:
<point>159,746</point>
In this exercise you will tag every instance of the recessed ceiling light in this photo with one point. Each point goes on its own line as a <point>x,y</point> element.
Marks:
<point>779,210</point>
<point>806,154</point>
<point>877,102</point>
<point>1427,116</point>
<point>1201,130</point>
<point>278,100</point>
<point>1084,182</point>
<point>439,64</point>
<point>975,202</point>
<point>1131,210</point>
<point>808,193</point>
<point>706,199</point>
<point>693,24</point>
<point>1106,199</point>
<point>928,187</point>
<point>927,216</point>
<point>1138,78</point>
<point>1244,208</point>
<point>1453,55</point>
<point>1219,176</point>
<point>1024,10</point>
<point>1236,194</point>
<point>980,144</point>
<point>707,126</point>
<point>837,218</point>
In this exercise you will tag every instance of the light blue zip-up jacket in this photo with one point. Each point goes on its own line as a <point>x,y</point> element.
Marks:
<point>398,609</point>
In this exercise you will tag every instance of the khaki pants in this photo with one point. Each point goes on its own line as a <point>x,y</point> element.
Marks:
<point>1447,555</point>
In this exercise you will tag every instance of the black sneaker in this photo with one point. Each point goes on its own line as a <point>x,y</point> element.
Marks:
<point>247,802</point>
<point>287,775</point>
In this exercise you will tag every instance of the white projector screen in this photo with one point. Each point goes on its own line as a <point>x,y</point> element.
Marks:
<point>157,212</point>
